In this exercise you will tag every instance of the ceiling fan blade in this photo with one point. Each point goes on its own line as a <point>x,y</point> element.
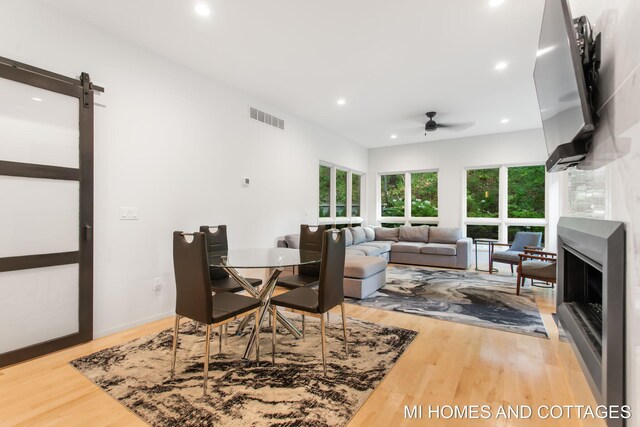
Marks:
<point>456,126</point>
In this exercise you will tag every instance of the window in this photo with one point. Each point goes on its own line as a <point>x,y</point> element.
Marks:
<point>355,195</point>
<point>340,195</point>
<point>483,186</point>
<point>409,198</point>
<point>483,231</point>
<point>392,195</point>
<point>325,191</point>
<point>391,224</point>
<point>424,194</point>
<point>526,192</point>
<point>501,201</point>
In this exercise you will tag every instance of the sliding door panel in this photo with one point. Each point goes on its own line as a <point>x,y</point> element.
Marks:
<point>38,305</point>
<point>39,216</point>
<point>46,219</point>
<point>38,126</point>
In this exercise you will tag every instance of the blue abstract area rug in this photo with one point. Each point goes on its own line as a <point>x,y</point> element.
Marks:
<point>459,296</point>
<point>291,392</point>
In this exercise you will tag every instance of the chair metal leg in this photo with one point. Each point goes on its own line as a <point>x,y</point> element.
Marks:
<point>257,338</point>
<point>273,334</point>
<point>344,329</point>
<point>220,339</point>
<point>226,333</point>
<point>303,328</point>
<point>207,345</point>
<point>324,363</point>
<point>511,265</point>
<point>175,344</point>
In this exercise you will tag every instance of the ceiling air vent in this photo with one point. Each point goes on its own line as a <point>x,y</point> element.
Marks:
<point>266,118</point>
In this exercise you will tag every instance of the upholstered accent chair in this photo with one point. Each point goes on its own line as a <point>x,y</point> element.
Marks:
<point>307,275</point>
<point>317,303</point>
<point>521,241</point>
<point>537,265</point>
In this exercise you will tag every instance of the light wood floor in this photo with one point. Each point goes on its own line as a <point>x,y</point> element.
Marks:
<point>447,364</point>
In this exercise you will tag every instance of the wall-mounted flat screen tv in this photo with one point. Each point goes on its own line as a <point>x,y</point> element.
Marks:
<point>562,92</point>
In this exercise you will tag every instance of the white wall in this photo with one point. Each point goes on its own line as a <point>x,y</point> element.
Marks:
<point>451,157</point>
<point>175,144</point>
<point>617,149</point>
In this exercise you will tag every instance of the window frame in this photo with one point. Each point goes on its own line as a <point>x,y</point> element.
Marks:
<point>503,221</point>
<point>332,218</point>
<point>407,219</point>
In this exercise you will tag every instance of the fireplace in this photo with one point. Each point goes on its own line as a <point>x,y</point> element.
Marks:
<point>591,301</point>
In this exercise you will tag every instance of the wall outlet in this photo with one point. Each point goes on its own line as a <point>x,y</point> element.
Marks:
<point>128,213</point>
<point>245,181</point>
<point>157,284</point>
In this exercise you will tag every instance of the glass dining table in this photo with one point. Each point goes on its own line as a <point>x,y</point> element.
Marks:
<point>275,259</point>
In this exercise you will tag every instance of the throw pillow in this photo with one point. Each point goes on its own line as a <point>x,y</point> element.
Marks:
<point>387,234</point>
<point>444,234</point>
<point>348,237</point>
<point>292,241</point>
<point>369,234</point>
<point>414,234</point>
<point>358,235</point>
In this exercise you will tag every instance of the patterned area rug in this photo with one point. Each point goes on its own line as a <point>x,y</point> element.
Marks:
<point>293,391</point>
<point>459,296</point>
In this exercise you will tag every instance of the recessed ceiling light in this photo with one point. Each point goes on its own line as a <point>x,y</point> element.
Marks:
<point>494,3</point>
<point>394,136</point>
<point>545,50</point>
<point>37,99</point>
<point>501,65</point>
<point>504,121</point>
<point>341,101</point>
<point>202,9</point>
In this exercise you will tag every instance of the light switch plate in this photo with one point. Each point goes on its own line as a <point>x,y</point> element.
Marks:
<point>128,213</point>
<point>245,181</point>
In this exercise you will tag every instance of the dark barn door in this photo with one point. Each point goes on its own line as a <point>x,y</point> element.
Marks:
<point>46,211</point>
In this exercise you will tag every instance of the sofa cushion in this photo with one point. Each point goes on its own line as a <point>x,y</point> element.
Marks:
<point>384,246</point>
<point>369,234</point>
<point>439,249</point>
<point>358,235</point>
<point>408,247</point>
<point>383,233</point>
<point>368,250</point>
<point>542,269</point>
<point>363,267</point>
<point>444,234</point>
<point>292,241</point>
<point>348,237</point>
<point>354,252</point>
<point>507,256</point>
<point>414,234</point>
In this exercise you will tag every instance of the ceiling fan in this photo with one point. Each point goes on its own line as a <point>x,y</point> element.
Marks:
<point>432,125</point>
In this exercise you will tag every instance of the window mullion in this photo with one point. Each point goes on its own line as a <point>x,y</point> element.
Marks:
<point>332,193</point>
<point>407,197</point>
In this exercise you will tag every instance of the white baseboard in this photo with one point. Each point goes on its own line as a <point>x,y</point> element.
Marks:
<point>100,334</point>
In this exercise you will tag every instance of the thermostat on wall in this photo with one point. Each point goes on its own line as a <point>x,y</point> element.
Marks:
<point>245,181</point>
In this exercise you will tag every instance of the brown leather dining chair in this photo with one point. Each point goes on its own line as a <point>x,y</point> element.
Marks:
<point>194,299</point>
<point>308,274</point>
<point>316,303</point>
<point>220,280</point>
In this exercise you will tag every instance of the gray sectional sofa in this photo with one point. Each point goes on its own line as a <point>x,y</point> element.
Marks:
<point>422,245</point>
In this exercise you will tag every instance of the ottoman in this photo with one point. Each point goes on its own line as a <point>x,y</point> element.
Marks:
<point>363,275</point>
